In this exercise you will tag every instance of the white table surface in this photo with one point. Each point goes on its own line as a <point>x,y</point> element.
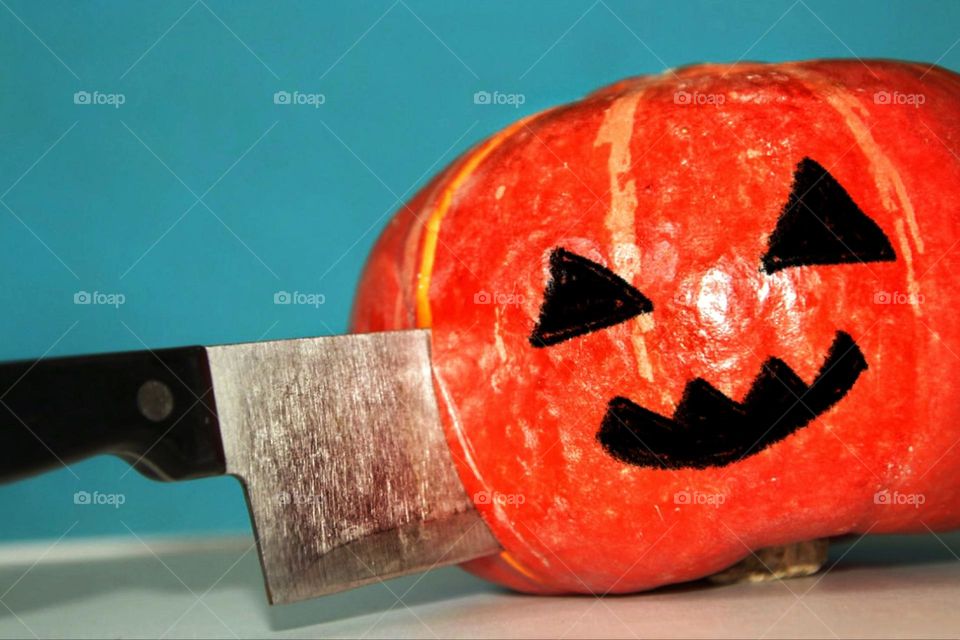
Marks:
<point>881,587</point>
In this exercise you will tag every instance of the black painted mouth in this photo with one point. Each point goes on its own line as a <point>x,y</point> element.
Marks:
<point>708,429</point>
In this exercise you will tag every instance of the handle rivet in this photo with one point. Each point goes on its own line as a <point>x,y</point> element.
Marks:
<point>155,400</point>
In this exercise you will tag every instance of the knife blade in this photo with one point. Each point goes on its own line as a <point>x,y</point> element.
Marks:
<point>337,442</point>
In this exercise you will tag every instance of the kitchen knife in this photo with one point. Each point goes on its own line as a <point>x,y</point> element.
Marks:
<point>337,442</point>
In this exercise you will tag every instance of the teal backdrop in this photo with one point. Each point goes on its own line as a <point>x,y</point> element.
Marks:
<point>149,161</point>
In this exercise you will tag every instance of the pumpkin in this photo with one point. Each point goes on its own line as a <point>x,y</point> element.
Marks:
<point>693,315</point>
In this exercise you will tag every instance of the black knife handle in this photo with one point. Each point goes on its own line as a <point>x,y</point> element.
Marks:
<point>154,409</point>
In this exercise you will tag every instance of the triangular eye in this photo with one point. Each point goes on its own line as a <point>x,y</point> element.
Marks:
<point>583,296</point>
<point>821,224</point>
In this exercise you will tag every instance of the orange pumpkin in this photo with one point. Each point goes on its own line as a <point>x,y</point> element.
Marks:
<point>692,315</point>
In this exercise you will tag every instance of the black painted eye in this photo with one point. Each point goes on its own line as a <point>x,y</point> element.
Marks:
<point>583,296</point>
<point>821,224</point>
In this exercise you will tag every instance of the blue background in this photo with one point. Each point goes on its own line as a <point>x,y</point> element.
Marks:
<point>199,198</point>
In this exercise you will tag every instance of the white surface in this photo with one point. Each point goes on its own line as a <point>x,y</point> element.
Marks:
<point>882,587</point>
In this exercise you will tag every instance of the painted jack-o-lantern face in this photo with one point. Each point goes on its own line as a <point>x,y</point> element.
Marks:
<point>668,331</point>
<point>820,225</point>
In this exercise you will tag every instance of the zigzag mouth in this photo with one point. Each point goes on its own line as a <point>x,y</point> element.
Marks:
<point>708,429</point>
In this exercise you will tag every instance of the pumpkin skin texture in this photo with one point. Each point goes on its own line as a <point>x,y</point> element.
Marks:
<point>673,186</point>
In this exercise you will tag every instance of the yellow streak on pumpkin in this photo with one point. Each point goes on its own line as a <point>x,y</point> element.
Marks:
<point>643,323</point>
<point>432,232</point>
<point>885,174</point>
<point>913,287</point>
<point>497,337</point>
<point>616,130</point>
<point>515,564</point>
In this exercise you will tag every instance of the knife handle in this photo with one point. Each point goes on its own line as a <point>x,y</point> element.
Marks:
<point>154,409</point>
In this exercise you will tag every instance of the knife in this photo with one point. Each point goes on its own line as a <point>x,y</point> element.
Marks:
<point>337,442</point>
